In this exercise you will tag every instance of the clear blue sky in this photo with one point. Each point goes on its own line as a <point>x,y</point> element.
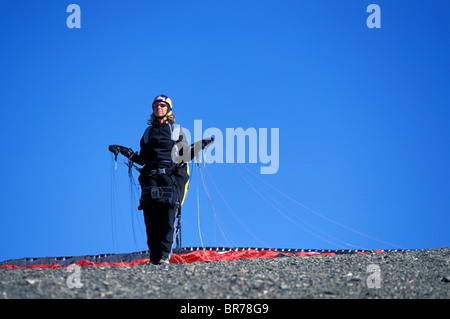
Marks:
<point>363,116</point>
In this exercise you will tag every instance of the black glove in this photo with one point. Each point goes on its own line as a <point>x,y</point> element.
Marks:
<point>117,149</point>
<point>207,141</point>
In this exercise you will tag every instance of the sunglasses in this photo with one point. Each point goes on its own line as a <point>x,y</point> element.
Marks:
<point>160,104</point>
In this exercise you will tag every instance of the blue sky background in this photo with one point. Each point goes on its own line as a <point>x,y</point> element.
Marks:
<point>363,115</point>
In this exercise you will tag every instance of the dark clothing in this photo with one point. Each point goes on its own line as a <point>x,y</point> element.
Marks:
<point>160,227</point>
<point>160,220</point>
<point>156,147</point>
<point>163,191</point>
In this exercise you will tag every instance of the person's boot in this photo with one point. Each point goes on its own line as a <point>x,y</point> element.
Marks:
<point>164,261</point>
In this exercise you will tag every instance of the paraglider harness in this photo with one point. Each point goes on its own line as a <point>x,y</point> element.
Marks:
<point>157,195</point>
<point>160,195</point>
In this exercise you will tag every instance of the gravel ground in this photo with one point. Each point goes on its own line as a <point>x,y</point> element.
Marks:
<point>420,274</point>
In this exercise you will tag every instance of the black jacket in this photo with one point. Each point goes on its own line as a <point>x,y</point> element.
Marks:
<point>156,146</point>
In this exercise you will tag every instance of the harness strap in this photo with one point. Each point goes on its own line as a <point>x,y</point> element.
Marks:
<point>164,170</point>
<point>158,171</point>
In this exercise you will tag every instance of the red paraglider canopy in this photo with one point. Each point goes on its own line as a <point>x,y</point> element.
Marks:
<point>182,255</point>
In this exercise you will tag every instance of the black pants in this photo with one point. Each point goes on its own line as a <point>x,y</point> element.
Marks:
<point>160,225</point>
<point>160,221</point>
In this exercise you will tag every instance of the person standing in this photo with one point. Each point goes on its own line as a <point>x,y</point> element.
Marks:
<point>164,177</point>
